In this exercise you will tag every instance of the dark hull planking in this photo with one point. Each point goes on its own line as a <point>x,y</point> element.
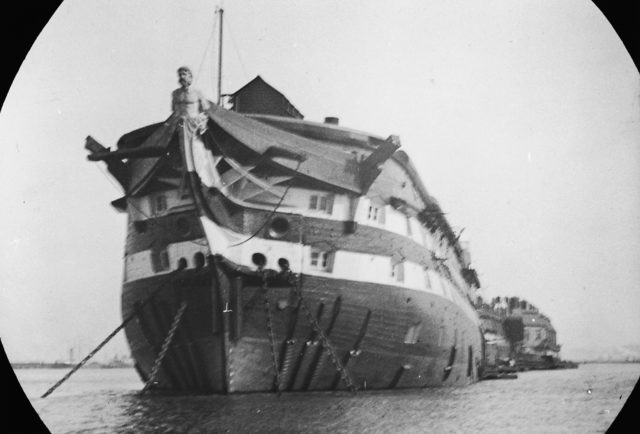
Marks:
<point>367,325</point>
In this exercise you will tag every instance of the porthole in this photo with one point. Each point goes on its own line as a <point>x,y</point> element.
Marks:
<point>259,259</point>
<point>198,260</point>
<point>278,227</point>
<point>283,263</point>
<point>182,264</point>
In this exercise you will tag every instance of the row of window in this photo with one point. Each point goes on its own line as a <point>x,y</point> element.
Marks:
<point>375,213</point>
<point>319,260</point>
<point>317,202</point>
<point>160,261</point>
<point>323,261</point>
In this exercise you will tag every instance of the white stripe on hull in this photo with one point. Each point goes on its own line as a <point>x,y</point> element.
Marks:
<point>355,266</point>
<point>360,267</point>
<point>139,265</point>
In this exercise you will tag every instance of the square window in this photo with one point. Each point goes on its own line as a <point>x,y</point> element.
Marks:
<point>159,260</point>
<point>164,260</point>
<point>321,260</point>
<point>323,203</point>
<point>374,213</point>
<point>160,203</point>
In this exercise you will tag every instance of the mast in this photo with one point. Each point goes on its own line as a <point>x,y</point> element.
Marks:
<point>221,12</point>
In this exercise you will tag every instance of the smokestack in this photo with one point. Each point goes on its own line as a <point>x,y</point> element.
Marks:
<point>331,120</point>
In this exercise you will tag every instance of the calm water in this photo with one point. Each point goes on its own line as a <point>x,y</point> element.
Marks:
<point>583,400</point>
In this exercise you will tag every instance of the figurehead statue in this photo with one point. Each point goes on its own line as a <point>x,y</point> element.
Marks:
<point>185,100</point>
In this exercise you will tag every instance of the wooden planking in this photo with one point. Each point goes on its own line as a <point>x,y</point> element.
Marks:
<point>382,349</point>
<point>194,357</point>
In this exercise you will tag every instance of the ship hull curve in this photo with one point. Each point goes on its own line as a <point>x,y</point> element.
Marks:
<point>385,337</point>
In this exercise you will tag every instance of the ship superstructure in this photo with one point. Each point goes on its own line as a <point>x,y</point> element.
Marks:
<point>517,336</point>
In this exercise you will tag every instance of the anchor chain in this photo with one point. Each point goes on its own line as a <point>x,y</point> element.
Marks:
<point>113,333</point>
<point>272,340</point>
<point>344,374</point>
<point>165,346</point>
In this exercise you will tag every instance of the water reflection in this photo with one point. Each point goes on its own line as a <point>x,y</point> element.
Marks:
<point>579,400</point>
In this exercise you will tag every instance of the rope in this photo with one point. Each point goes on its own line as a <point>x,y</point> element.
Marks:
<point>165,346</point>
<point>86,359</point>
<point>206,49</point>
<point>272,340</point>
<point>271,213</point>
<point>108,338</point>
<point>344,374</point>
<point>237,51</point>
<point>109,178</point>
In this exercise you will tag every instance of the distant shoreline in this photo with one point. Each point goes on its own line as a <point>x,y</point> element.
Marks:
<point>114,365</point>
<point>94,365</point>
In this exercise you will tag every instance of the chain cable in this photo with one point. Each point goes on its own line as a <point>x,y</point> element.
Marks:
<point>165,346</point>
<point>131,316</point>
<point>344,373</point>
<point>271,333</point>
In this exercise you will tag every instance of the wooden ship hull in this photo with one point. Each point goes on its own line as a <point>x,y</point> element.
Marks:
<point>518,337</point>
<point>267,254</point>
<point>365,326</point>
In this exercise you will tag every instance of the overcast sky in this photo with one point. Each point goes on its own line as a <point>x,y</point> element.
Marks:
<point>522,118</point>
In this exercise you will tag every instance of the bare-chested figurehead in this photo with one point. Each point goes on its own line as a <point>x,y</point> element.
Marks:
<point>186,100</point>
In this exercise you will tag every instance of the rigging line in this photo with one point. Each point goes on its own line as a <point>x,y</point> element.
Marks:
<point>274,210</point>
<point>235,47</point>
<point>266,220</point>
<point>109,178</point>
<point>213,76</point>
<point>224,155</point>
<point>206,50</point>
<point>113,333</point>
